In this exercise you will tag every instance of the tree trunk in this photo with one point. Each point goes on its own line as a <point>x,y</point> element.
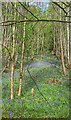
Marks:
<point>22,62</point>
<point>54,45</point>
<point>4,42</point>
<point>12,60</point>
<point>37,42</point>
<point>12,65</point>
<point>68,51</point>
<point>61,47</point>
<point>41,45</point>
<point>70,36</point>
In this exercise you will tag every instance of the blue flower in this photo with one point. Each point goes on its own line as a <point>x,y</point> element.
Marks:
<point>19,102</point>
<point>42,104</point>
<point>62,95</point>
<point>0,112</point>
<point>2,100</point>
<point>48,104</point>
<point>30,101</point>
<point>10,114</point>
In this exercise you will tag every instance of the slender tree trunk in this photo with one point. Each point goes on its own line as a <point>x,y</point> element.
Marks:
<point>70,36</point>
<point>38,43</point>
<point>62,54</point>
<point>32,49</point>
<point>54,40</point>
<point>1,33</point>
<point>64,41</point>
<point>12,60</point>
<point>42,43</point>
<point>12,65</point>
<point>32,45</point>
<point>65,49</point>
<point>22,63</point>
<point>4,42</point>
<point>68,43</point>
<point>61,47</point>
<point>54,45</point>
<point>68,51</point>
<point>57,43</point>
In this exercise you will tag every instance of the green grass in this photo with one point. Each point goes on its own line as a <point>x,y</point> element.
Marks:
<point>57,104</point>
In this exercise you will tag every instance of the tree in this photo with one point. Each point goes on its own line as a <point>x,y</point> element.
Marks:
<point>13,58</point>
<point>22,61</point>
<point>61,47</point>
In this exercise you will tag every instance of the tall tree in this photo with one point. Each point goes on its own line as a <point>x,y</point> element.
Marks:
<point>22,61</point>
<point>70,35</point>
<point>13,58</point>
<point>61,47</point>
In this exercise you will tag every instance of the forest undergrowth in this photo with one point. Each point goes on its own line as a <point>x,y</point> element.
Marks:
<point>52,84</point>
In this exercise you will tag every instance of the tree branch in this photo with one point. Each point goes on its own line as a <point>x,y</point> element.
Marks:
<point>28,10</point>
<point>60,7</point>
<point>6,23</point>
<point>65,4</point>
<point>17,10</point>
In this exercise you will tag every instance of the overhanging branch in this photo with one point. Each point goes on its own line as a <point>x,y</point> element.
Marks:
<point>6,23</point>
<point>60,7</point>
<point>28,10</point>
<point>17,10</point>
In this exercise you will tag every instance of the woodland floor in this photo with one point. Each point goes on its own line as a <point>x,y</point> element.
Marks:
<point>42,70</point>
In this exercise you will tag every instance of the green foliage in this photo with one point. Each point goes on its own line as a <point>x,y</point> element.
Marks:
<point>57,104</point>
<point>38,41</point>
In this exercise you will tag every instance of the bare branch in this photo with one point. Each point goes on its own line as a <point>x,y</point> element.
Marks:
<point>17,10</point>
<point>60,7</point>
<point>28,10</point>
<point>6,23</point>
<point>65,4</point>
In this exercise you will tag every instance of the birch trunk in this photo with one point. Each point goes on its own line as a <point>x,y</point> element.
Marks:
<point>22,63</point>
<point>68,51</point>
<point>12,66</point>
<point>12,60</point>
<point>70,36</point>
<point>61,47</point>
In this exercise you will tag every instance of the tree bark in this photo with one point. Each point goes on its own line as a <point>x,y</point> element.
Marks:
<point>22,64</point>
<point>12,60</point>
<point>12,65</point>
<point>61,47</point>
<point>68,51</point>
<point>70,35</point>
